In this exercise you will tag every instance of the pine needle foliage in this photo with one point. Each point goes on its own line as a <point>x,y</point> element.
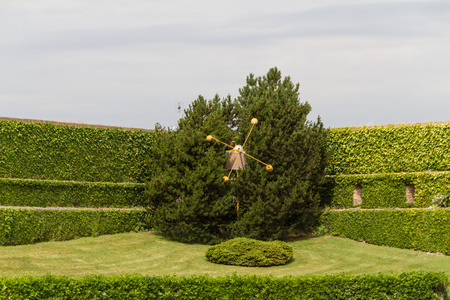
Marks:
<point>285,202</point>
<point>191,202</point>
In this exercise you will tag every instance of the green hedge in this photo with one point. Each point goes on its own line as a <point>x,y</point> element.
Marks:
<point>421,229</point>
<point>412,285</point>
<point>393,148</point>
<point>43,193</point>
<point>58,152</point>
<point>27,226</point>
<point>385,190</point>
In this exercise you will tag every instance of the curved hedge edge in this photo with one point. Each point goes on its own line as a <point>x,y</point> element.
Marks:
<point>418,229</point>
<point>385,189</point>
<point>410,285</point>
<point>44,193</point>
<point>29,226</point>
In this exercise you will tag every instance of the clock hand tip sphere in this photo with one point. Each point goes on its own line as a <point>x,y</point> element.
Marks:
<point>209,138</point>
<point>254,121</point>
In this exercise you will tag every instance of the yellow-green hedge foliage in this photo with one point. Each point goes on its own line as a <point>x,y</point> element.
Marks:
<point>58,152</point>
<point>28,226</point>
<point>43,193</point>
<point>386,149</point>
<point>386,190</point>
<point>414,228</point>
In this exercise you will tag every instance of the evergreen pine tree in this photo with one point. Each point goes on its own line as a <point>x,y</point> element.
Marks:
<point>286,201</point>
<point>190,201</point>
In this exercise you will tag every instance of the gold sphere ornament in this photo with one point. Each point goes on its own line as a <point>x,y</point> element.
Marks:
<point>269,168</point>
<point>225,178</point>
<point>209,138</point>
<point>254,121</point>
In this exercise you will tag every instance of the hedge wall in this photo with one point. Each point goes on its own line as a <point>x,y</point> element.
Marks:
<point>412,285</point>
<point>43,193</point>
<point>421,229</point>
<point>386,190</point>
<point>392,148</point>
<point>27,226</point>
<point>57,152</point>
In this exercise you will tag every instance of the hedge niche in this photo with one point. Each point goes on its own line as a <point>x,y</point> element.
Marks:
<point>387,189</point>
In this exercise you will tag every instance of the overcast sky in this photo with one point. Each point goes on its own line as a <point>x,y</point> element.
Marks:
<point>130,62</point>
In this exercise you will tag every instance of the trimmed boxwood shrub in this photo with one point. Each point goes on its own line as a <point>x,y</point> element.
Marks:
<point>411,285</point>
<point>250,253</point>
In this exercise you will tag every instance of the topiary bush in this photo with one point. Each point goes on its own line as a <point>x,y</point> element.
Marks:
<point>250,253</point>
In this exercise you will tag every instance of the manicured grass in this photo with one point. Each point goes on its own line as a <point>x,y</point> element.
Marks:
<point>149,254</point>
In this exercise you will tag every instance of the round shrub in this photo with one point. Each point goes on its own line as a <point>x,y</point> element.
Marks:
<point>250,253</point>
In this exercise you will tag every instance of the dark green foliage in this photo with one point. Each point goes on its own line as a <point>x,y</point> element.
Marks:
<point>43,193</point>
<point>384,149</point>
<point>286,201</point>
<point>28,226</point>
<point>421,229</point>
<point>191,202</point>
<point>411,285</point>
<point>57,152</point>
<point>250,253</point>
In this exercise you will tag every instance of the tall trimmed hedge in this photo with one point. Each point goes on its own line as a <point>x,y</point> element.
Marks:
<point>392,148</point>
<point>421,229</point>
<point>412,285</point>
<point>386,190</point>
<point>43,193</point>
<point>57,152</point>
<point>28,226</point>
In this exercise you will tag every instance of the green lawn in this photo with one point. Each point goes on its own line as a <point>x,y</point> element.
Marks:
<point>149,254</point>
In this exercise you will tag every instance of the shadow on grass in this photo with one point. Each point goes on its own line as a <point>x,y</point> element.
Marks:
<point>303,237</point>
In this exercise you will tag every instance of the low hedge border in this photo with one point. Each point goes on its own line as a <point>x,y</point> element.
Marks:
<point>28,226</point>
<point>414,228</point>
<point>43,193</point>
<point>385,190</point>
<point>411,285</point>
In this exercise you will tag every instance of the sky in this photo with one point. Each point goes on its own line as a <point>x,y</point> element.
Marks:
<point>132,63</point>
